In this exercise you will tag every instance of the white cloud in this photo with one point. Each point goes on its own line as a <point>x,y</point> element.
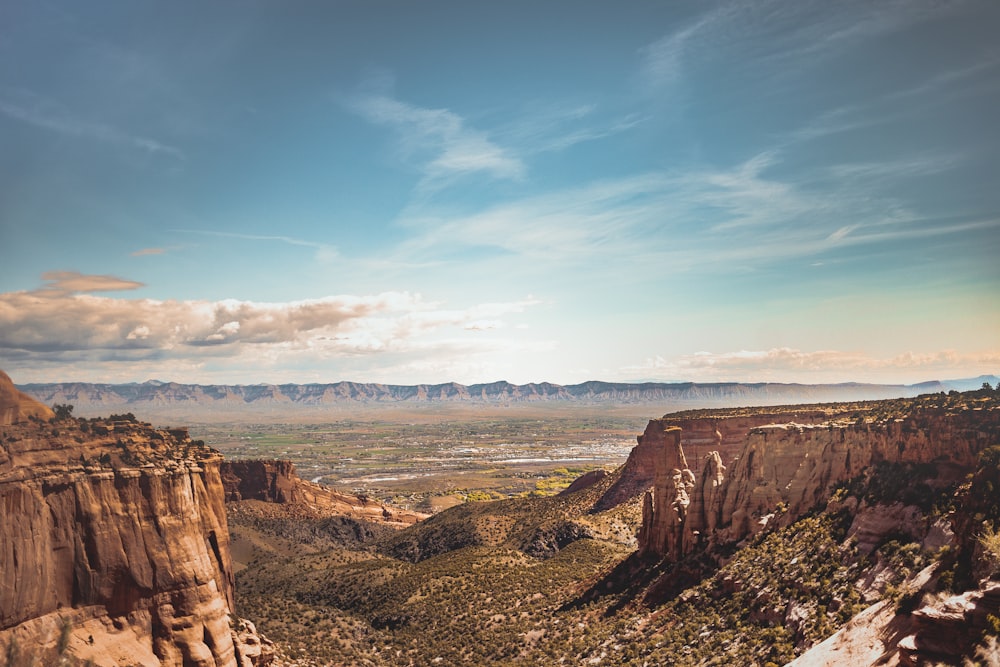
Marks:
<point>777,36</point>
<point>50,327</point>
<point>728,219</point>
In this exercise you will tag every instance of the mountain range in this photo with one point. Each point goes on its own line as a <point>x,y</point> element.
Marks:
<point>193,400</point>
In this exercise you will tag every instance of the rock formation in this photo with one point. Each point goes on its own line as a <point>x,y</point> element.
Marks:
<point>119,530</point>
<point>277,482</point>
<point>785,470</point>
<point>664,512</point>
<point>16,406</point>
<point>585,481</point>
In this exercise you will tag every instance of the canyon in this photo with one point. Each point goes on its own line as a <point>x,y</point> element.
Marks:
<point>760,532</point>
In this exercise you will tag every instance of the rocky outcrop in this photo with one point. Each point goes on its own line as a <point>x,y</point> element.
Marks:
<point>725,433</point>
<point>277,482</point>
<point>585,481</point>
<point>785,470</point>
<point>270,481</point>
<point>706,500</point>
<point>699,437</point>
<point>119,530</point>
<point>638,472</point>
<point>664,512</point>
<point>16,406</point>
<point>945,629</point>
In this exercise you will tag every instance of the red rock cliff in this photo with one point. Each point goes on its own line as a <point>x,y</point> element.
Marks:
<point>795,465</point>
<point>120,530</point>
<point>16,406</point>
<point>276,481</point>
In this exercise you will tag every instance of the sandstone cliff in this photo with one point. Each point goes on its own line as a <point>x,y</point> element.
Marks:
<point>16,406</point>
<point>118,530</point>
<point>277,482</point>
<point>715,431</point>
<point>786,469</point>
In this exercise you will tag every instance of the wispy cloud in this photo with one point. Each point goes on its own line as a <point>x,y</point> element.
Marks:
<point>775,36</point>
<point>439,141</point>
<point>324,251</point>
<point>721,219</point>
<point>43,113</point>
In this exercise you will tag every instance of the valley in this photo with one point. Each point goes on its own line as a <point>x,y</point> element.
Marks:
<point>854,533</point>
<point>438,462</point>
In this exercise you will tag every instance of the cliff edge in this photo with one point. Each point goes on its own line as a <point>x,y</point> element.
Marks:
<point>16,406</point>
<point>115,533</point>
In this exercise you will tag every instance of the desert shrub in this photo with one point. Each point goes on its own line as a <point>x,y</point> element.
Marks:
<point>989,542</point>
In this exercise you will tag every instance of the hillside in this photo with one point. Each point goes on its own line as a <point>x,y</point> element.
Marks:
<point>897,541</point>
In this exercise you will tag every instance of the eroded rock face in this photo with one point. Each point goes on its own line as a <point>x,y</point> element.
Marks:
<point>277,482</point>
<point>700,436</point>
<point>16,406</point>
<point>785,470</point>
<point>585,481</point>
<point>665,509</point>
<point>119,529</point>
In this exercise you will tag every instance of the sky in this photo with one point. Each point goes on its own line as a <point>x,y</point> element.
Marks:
<point>427,191</point>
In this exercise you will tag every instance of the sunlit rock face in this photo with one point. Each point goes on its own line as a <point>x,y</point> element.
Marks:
<point>784,470</point>
<point>16,406</point>
<point>118,529</point>
<point>665,508</point>
<point>276,481</point>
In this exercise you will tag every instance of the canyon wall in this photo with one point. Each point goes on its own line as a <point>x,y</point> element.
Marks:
<point>699,436</point>
<point>784,470</point>
<point>118,530</point>
<point>16,406</point>
<point>276,481</point>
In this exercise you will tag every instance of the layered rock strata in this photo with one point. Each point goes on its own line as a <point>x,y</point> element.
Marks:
<point>785,470</point>
<point>118,530</point>
<point>699,436</point>
<point>277,481</point>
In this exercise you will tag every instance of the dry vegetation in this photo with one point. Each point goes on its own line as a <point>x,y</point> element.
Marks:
<point>540,581</point>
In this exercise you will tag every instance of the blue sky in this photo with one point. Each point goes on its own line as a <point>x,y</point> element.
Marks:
<point>431,191</point>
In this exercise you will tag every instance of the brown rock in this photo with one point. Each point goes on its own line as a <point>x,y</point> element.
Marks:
<point>662,529</point>
<point>785,470</point>
<point>277,482</point>
<point>124,535</point>
<point>585,481</point>
<point>16,406</point>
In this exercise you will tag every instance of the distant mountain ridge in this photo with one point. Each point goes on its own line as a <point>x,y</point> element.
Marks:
<point>155,395</point>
